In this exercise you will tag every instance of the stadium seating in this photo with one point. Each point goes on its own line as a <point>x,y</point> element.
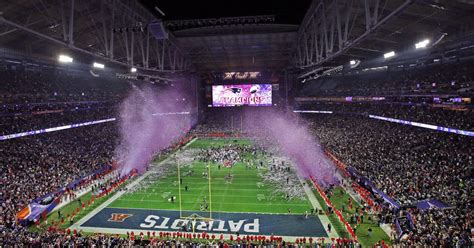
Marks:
<point>408,164</point>
<point>35,166</point>
<point>424,113</point>
<point>456,79</point>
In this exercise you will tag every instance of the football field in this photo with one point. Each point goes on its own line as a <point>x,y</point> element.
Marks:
<point>238,198</point>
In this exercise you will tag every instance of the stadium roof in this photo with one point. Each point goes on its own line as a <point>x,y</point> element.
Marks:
<point>109,30</point>
<point>285,12</point>
<point>216,36</point>
<point>419,21</point>
<point>365,30</point>
<point>242,35</point>
<point>244,48</point>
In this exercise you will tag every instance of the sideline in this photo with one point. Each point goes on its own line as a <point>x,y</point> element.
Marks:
<point>81,193</point>
<point>117,195</point>
<point>315,203</point>
<point>357,198</point>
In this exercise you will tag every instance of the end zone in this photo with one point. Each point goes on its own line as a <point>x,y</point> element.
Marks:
<point>119,220</point>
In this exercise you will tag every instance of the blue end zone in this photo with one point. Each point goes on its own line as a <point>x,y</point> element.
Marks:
<point>227,223</point>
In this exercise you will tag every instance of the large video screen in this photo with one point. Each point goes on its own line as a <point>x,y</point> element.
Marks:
<point>242,95</point>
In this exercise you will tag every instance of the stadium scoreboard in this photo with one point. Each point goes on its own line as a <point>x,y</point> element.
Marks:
<point>241,95</point>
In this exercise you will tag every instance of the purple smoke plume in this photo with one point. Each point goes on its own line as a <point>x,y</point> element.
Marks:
<point>148,124</point>
<point>294,140</point>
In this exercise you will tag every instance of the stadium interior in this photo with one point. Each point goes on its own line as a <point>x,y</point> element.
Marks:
<point>310,123</point>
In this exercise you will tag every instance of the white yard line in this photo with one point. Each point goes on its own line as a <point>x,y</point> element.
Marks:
<point>387,229</point>
<point>205,183</point>
<point>166,186</point>
<point>315,203</point>
<point>191,193</point>
<point>226,203</point>
<point>154,209</point>
<point>122,192</point>
<point>309,193</point>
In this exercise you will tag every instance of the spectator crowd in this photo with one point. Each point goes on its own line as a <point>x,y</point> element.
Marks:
<point>37,99</point>
<point>409,164</point>
<point>460,118</point>
<point>452,79</point>
<point>37,165</point>
<point>34,166</point>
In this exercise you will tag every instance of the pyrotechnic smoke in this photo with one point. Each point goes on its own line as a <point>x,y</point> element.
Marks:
<point>146,125</point>
<point>294,140</point>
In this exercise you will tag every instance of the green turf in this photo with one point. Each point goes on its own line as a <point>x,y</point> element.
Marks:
<point>341,198</point>
<point>337,225</point>
<point>241,195</point>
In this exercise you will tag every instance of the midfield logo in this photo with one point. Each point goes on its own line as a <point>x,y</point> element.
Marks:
<point>119,217</point>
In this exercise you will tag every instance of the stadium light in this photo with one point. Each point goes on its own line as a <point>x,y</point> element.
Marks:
<point>133,70</point>
<point>98,65</point>
<point>352,62</point>
<point>389,55</point>
<point>64,59</point>
<point>422,44</point>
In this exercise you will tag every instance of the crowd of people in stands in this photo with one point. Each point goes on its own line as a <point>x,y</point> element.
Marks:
<point>78,239</point>
<point>455,79</point>
<point>37,99</point>
<point>22,123</point>
<point>37,165</point>
<point>460,117</point>
<point>409,164</point>
<point>48,85</point>
<point>34,166</point>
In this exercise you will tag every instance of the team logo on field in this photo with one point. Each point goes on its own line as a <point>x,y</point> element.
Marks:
<point>119,217</point>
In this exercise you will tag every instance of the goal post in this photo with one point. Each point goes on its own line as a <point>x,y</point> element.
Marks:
<point>194,216</point>
<point>179,190</point>
<point>210,194</point>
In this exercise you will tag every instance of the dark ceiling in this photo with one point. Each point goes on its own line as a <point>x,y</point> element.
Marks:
<point>285,12</point>
<point>234,47</point>
<point>241,48</point>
